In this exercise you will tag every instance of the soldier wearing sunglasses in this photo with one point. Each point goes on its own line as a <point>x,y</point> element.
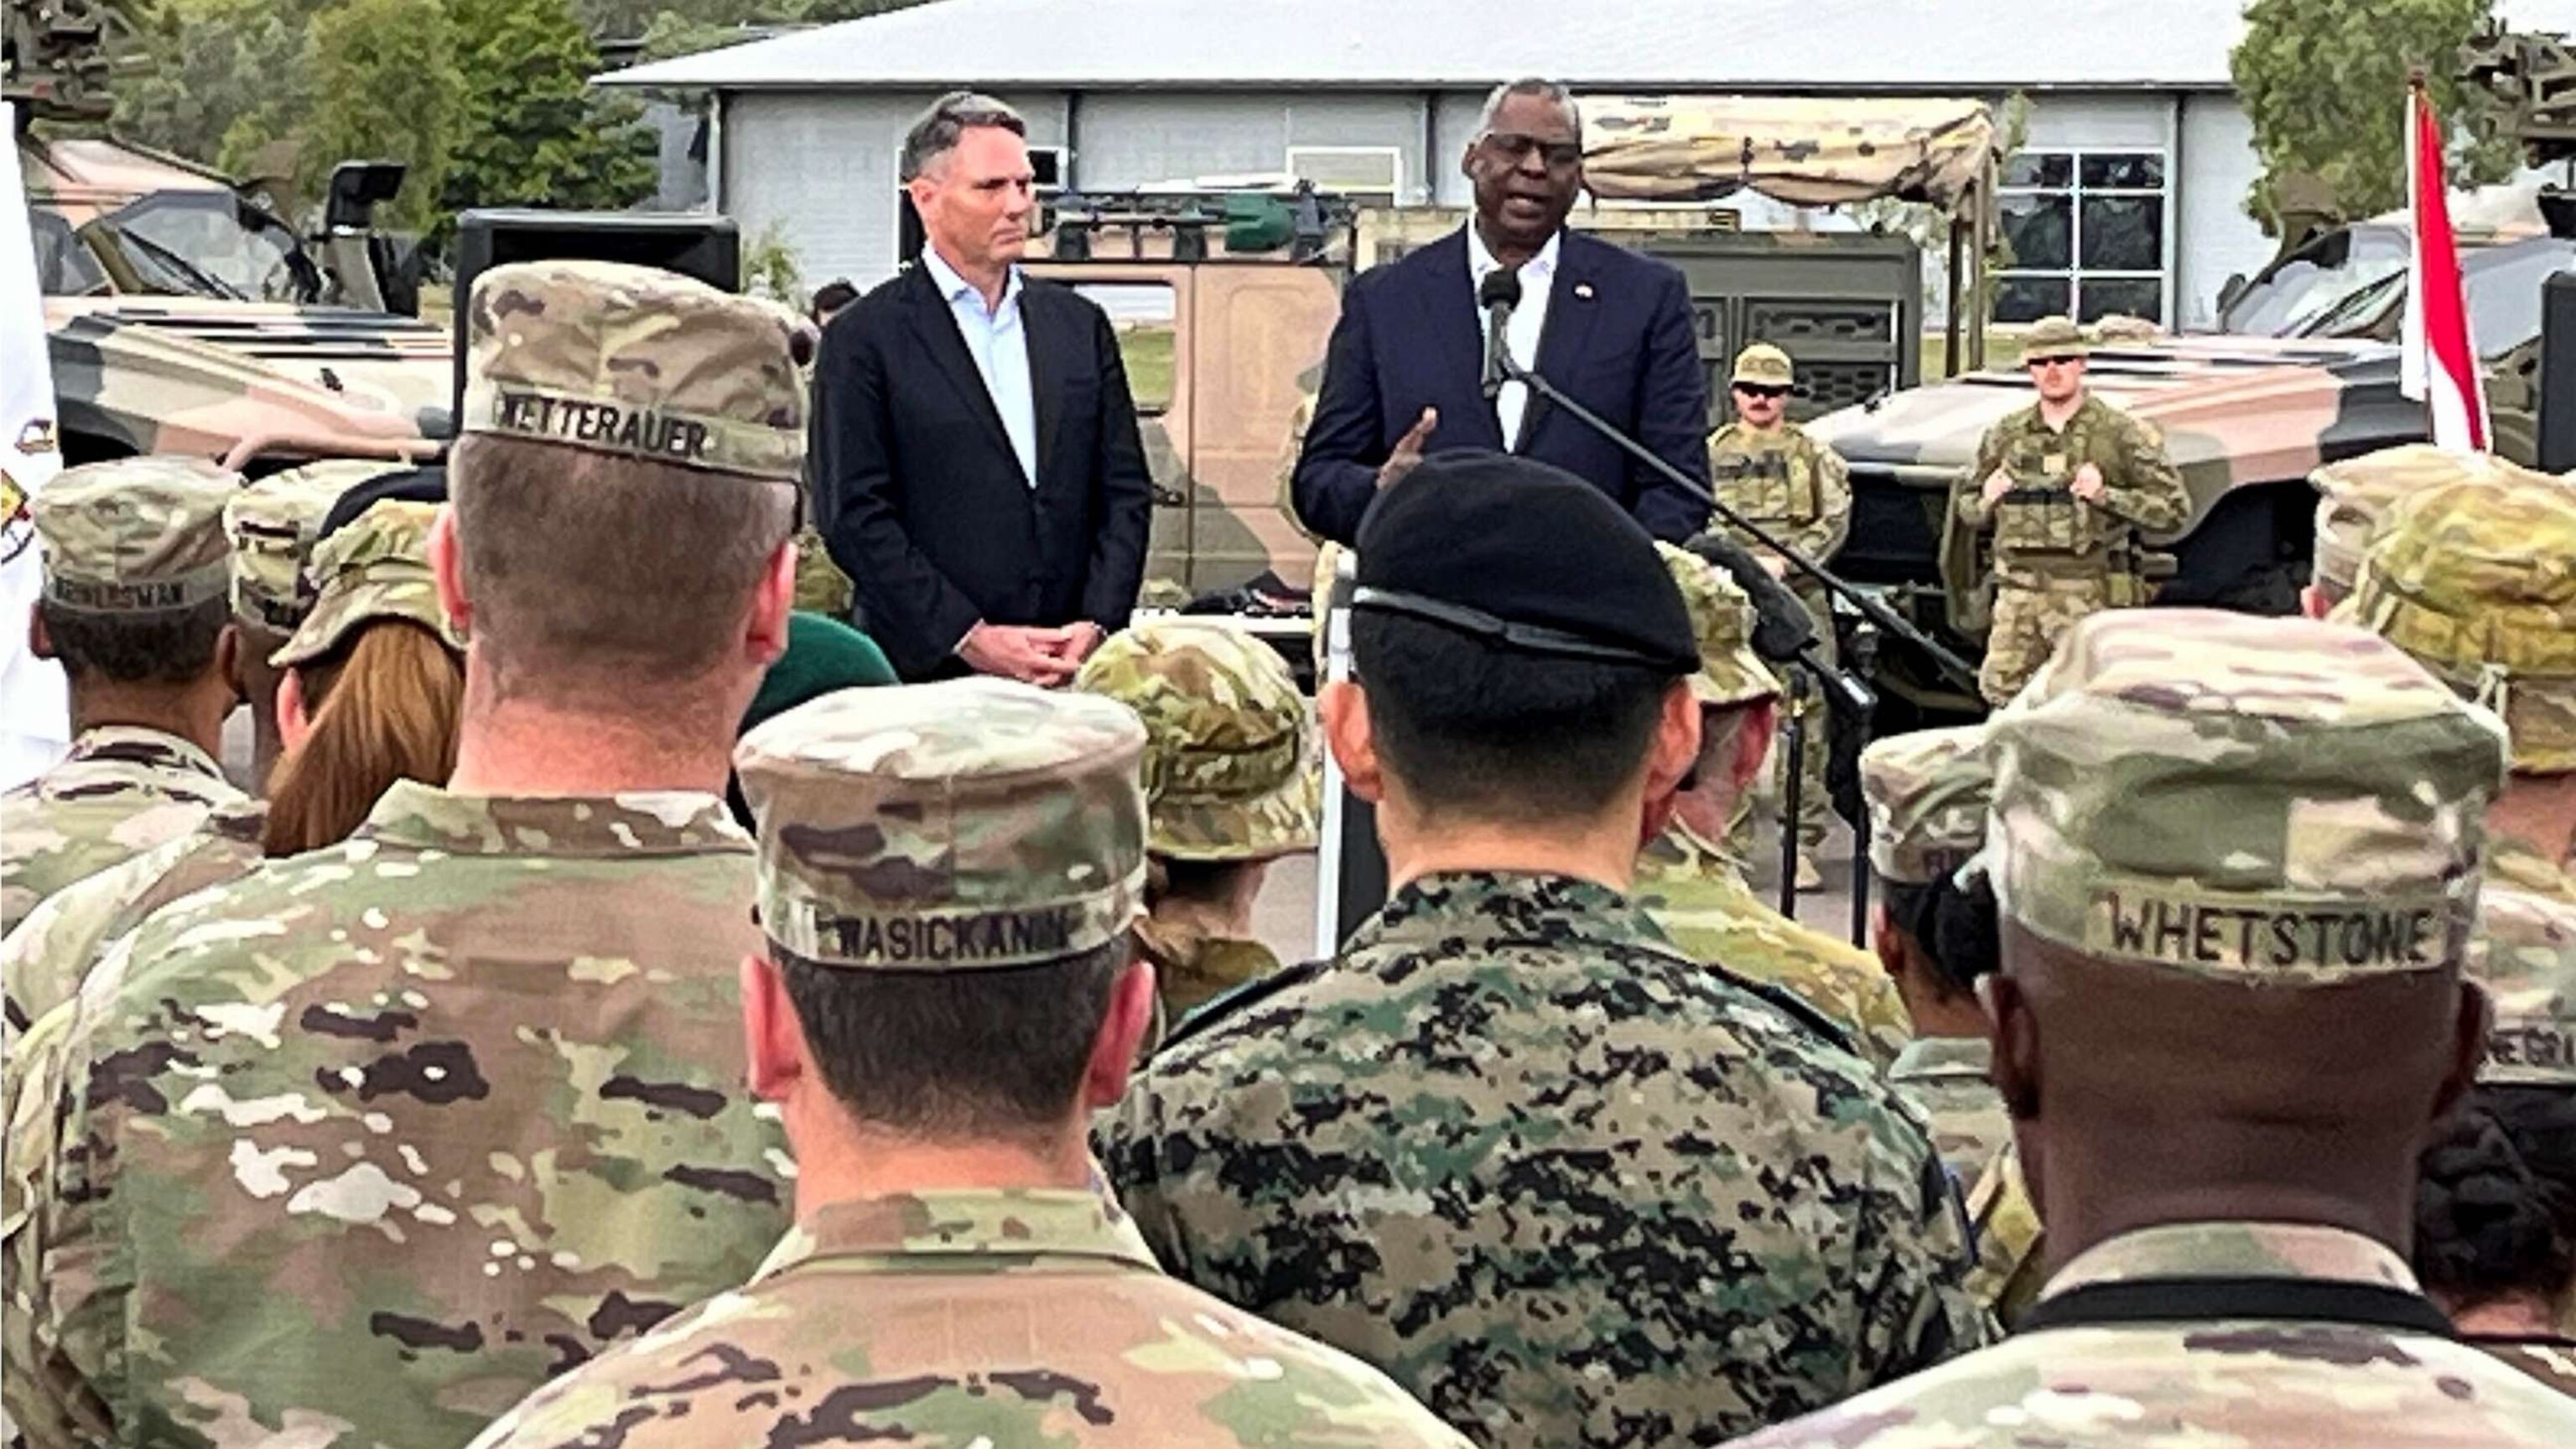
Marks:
<point>2066,484</point>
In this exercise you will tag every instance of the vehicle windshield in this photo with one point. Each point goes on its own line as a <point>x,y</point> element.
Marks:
<point>64,266</point>
<point>207,244</point>
<point>2503,285</point>
<point>2286,301</point>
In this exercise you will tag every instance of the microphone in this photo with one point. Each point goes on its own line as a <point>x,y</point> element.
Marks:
<point>1499,294</point>
<point>1782,631</point>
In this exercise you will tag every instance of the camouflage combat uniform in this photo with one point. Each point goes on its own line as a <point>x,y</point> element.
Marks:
<point>1231,774</point>
<point>363,1147</point>
<point>2052,550</point>
<point>1015,1315</point>
<point>138,539</point>
<point>2282,774</point>
<point>1797,490</point>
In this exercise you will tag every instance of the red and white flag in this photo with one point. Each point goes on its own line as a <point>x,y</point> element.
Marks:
<point>2441,358</point>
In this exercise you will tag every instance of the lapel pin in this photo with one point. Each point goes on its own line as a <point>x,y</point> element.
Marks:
<point>1583,290</point>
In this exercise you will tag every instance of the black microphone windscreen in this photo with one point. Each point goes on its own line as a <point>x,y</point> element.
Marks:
<point>1781,628</point>
<point>1501,288</point>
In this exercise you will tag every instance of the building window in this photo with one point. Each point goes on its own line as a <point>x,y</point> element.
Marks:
<point>2087,230</point>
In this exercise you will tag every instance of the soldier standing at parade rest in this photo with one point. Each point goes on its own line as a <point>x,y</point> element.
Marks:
<point>1565,1183</point>
<point>1797,490</point>
<point>1936,933</point>
<point>2064,483</point>
<point>946,992</point>
<point>135,572</point>
<point>2238,865</point>
<point>1695,891</point>
<point>1231,785</point>
<point>402,1128</point>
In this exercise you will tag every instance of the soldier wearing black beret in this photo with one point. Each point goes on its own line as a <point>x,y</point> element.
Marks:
<point>1513,1146</point>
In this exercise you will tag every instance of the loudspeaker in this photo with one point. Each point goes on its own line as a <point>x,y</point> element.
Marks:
<point>693,244</point>
<point>2558,373</point>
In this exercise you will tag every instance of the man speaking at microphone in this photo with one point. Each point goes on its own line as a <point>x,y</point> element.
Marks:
<point>1408,370</point>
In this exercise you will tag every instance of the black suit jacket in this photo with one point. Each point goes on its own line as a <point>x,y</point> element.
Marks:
<point>921,501</point>
<point>1618,340</point>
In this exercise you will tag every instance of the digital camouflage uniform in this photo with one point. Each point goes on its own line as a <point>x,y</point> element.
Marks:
<point>2052,560</point>
<point>1696,893</point>
<point>970,826</point>
<point>136,539</point>
<point>1926,793</point>
<point>2258,805</point>
<point>1231,774</point>
<point>1797,490</point>
<point>361,1148</point>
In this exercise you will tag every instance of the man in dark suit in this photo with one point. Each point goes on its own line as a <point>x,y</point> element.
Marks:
<point>977,467</point>
<point>1609,327</point>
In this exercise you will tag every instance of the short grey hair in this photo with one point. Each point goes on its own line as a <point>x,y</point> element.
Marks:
<point>936,132</point>
<point>1530,86</point>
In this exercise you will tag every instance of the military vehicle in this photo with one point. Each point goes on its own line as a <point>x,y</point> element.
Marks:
<point>182,315</point>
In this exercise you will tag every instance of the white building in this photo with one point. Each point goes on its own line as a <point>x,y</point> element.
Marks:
<point>2126,196</point>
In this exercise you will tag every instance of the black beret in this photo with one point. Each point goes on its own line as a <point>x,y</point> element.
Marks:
<point>426,483</point>
<point>1524,555</point>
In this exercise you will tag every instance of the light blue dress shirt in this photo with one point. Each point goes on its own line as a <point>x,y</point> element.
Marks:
<point>1000,347</point>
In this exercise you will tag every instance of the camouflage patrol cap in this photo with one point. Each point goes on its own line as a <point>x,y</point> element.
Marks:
<point>2524,954</point>
<point>2240,797</point>
<point>966,825</point>
<point>2477,579</point>
<point>374,567</point>
<point>1230,769</point>
<point>1721,618</point>
<point>1765,366</point>
<point>635,362</point>
<point>1927,792</point>
<point>2054,337</point>
<point>272,523</point>
<point>2355,493</point>
<point>135,536</point>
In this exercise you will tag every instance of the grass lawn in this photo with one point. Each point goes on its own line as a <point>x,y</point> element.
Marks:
<point>1147,352</point>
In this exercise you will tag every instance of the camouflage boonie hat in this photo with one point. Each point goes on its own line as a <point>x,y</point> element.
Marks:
<point>2053,337</point>
<point>2121,327</point>
<point>2355,493</point>
<point>635,362</point>
<point>2477,579</point>
<point>967,825</point>
<point>2241,798</point>
<point>1230,769</point>
<point>1927,792</point>
<point>1764,366</point>
<point>1721,618</point>
<point>272,523</point>
<point>2525,956</point>
<point>375,567</point>
<point>135,536</point>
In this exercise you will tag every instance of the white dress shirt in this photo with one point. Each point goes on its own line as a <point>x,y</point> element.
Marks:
<point>1000,347</point>
<point>1521,334</point>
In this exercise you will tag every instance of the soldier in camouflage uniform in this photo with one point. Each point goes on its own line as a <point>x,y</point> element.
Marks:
<point>376,568</point>
<point>1926,793</point>
<point>273,523</point>
<point>1565,1183</point>
<point>2472,577</point>
<point>1231,784</point>
<point>1796,489</point>
<point>1694,890</point>
<point>2064,484</point>
<point>133,608</point>
<point>2238,863</point>
<point>363,1147</point>
<point>947,876</point>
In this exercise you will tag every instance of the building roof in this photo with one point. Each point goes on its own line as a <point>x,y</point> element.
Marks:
<point>1917,46</point>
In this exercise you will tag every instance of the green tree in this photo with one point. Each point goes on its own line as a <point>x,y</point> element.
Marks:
<point>197,76</point>
<point>532,131</point>
<point>385,87</point>
<point>2324,82</point>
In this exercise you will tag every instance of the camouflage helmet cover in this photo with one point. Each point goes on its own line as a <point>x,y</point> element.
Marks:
<point>2477,579</point>
<point>1230,767</point>
<point>272,523</point>
<point>2238,797</point>
<point>1721,618</point>
<point>966,825</point>
<point>136,535</point>
<point>376,566</point>
<point>635,362</point>
<point>1928,792</point>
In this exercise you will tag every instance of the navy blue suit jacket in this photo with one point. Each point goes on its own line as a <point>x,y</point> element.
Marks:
<point>1618,340</point>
